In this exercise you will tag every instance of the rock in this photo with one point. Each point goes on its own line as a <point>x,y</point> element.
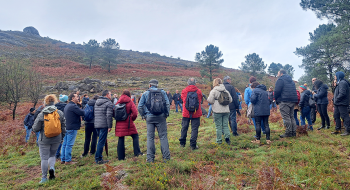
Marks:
<point>89,81</point>
<point>108,83</point>
<point>31,30</point>
<point>119,79</point>
<point>61,86</point>
<point>46,88</point>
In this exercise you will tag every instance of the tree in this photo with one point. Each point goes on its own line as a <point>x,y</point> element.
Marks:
<point>91,50</point>
<point>35,86</point>
<point>289,69</point>
<point>209,60</point>
<point>274,68</point>
<point>110,52</point>
<point>253,64</point>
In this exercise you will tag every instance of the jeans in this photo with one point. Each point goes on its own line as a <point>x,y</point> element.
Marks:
<point>233,122</point>
<point>90,129</point>
<point>287,113</point>
<point>195,123</point>
<point>158,122</point>
<point>341,112</point>
<point>47,155</point>
<point>209,112</point>
<point>58,152</point>
<point>121,146</point>
<point>29,131</point>
<point>296,117</point>
<point>221,124</point>
<point>178,103</point>
<point>305,113</point>
<point>67,145</point>
<point>259,120</point>
<point>102,138</point>
<point>322,110</point>
<point>273,105</point>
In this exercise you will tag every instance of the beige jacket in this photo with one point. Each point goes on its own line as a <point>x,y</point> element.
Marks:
<point>213,100</point>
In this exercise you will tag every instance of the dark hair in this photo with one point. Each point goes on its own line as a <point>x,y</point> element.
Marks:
<point>126,92</point>
<point>255,84</point>
<point>105,92</point>
<point>318,84</point>
<point>71,96</point>
<point>282,71</point>
<point>96,97</point>
<point>85,95</point>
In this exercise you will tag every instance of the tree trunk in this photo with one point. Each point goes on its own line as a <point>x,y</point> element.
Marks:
<point>14,111</point>
<point>90,62</point>
<point>109,67</point>
<point>36,102</point>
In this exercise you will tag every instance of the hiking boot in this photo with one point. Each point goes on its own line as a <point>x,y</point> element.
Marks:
<point>69,163</point>
<point>323,127</point>
<point>82,156</point>
<point>235,134</point>
<point>336,132</point>
<point>52,173</point>
<point>285,135</point>
<point>194,147</point>
<point>328,127</point>
<point>102,162</point>
<point>345,133</point>
<point>228,141</point>
<point>62,162</point>
<point>43,180</point>
<point>182,145</point>
<point>310,128</point>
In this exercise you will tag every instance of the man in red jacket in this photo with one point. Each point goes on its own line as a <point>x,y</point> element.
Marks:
<point>193,116</point>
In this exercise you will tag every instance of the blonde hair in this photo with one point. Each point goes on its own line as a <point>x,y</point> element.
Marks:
<point>50,99</point>
<point>217,82</point>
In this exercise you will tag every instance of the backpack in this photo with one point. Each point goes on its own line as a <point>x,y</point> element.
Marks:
<point>224,98</point>
<point>192,103</point>
<point>120,112</point>
<point>156,102</point>
<point>52,124</point>
<point>89,113</point>
<point>312,102</point>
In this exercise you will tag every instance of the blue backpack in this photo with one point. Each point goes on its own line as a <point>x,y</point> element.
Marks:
<point>89,113</point>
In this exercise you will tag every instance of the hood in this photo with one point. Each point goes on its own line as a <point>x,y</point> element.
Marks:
<point>307,92</point>
<point>101,100</point>
<point>286,78</point>
<point>49,109</point>
<point>191,88</point>
<point>220,88</point>
<point>340,75</point>
<point>61,105</point>
<point>261,86</point>
<point>91,102</point>
<point>124,99</point>
<point>324,86</point>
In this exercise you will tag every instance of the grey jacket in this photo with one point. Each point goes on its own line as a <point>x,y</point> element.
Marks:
<point>213,99</point>
<point>103,112</point>
<point>39,126</point>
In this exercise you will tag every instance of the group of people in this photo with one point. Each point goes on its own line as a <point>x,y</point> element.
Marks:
<point>56,122</point>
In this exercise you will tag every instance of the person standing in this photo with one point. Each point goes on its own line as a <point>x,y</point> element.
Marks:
<point>72,114</point>
<point>28,123</point>
<point>90,128</point>
<point>192,98</point>
<point>321,98</point>
<point>60,106</point>
<point>271,99</point>
<point>103,112</point>
<point>85,100</point>
<point>296,109</point>
<point>155,112</point>
<point>127,127</point>
<point>286,97</point>
<point>50,139</point>
<point>221,110</point>
<point>234,105</point>
<point>313,107</point>
<point>115,99</point>
<point>177,100</point>
<point>170,97</point>
<point>304,105</point>
<point>341,103</point>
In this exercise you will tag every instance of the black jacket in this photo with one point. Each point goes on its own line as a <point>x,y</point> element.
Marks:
<point>72,114</point>
<point>231,89</point>
<point>91,103</point>
<point>260,101</point>
<point>285,90</point>
<point>170,97</point>
<point>61,106</point>
<point>29,120</point>
<point>304,99</point>
<point>321,96</point>
<point>270,95</point>
<point>177,97</point>
<point>342,93</point>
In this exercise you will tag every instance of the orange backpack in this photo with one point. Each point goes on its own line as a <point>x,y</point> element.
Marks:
<point>52,124</point>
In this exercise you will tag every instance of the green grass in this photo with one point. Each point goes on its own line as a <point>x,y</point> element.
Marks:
<point>317,161</point>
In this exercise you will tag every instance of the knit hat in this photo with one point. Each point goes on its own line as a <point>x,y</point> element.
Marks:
<point>305,84</point>
<point>153,82</point>
<point>303,87</point>
<point>32,109</point>
<point>63,98</point>
<point>252,79</point>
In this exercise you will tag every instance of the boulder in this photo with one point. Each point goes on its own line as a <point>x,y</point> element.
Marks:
<point>89,81</point>
<point>61,86</point>
<point>108,83</point>
<point>31,30</point>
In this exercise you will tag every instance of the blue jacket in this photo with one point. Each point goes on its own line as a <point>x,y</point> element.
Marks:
<point>29,120</point>
<point>285,90</point>
<point>72,114</point>
<point>321,96</point>
<point>304,99</point>
<point>60,106</point>
<point>260,100</point>
<point>142,104</point>
<point>247,95</point>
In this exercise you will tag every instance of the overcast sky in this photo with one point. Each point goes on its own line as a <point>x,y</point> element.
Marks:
<point>180,28</point>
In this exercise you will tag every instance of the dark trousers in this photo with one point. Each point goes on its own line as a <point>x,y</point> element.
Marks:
<point>233,122</point>
<point>296,117</point>
<point>102,138</point>
<point>258,122</point>
<point>195,123</point>
<point>322,110</point>
<point>341,112</point>
<point>121,146</point>
<point>313,114</point>
<point>90,129</point>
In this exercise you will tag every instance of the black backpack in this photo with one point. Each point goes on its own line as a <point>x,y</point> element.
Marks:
<point>192,103</point>
<point>156,102</point>
<point>120,113</point>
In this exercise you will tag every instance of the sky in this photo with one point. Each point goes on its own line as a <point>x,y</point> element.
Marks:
<point>180,28</point>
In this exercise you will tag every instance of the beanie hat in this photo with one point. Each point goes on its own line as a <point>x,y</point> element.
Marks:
<point>153,82</point>
<point>305,84</point>
<point>303,87</point>
<point>252,79</point>
<point>32,109</point>
<point>63,98</point>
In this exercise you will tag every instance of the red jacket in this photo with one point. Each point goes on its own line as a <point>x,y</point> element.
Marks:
<point>122,128</point>
<point>191,88</point>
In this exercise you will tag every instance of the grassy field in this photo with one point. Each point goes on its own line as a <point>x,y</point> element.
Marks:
<point>317,161</point>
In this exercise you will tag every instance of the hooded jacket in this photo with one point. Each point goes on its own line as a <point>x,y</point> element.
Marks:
<point>304,98</point>
<point>213,99</point>
<point>92,103</point>
<point>285,90</point>
<point>73,115</point>
<point>39,126</point>
<point>191,88</point>
<point>103,112</point>
<point>231,89</point>
<point>60,106</point>
<point>321,96</point>
<point>122,128</point>
<point>260,100</point>
<point>247,95</point>
<point>142,104</point>
<point>342,91</point>
<point>29,120</point>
